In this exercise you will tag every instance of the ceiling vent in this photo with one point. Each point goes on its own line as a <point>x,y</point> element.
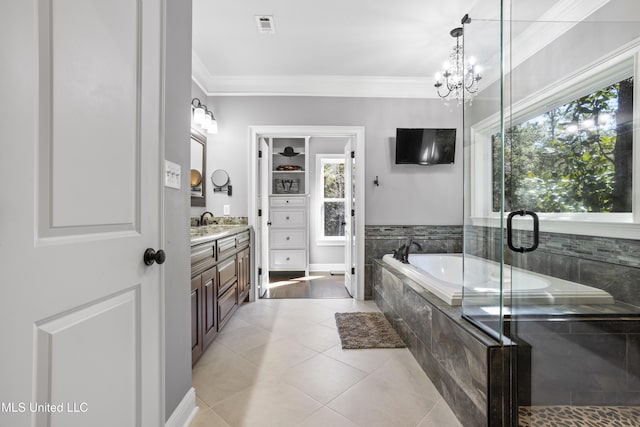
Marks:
<point>265,24</point>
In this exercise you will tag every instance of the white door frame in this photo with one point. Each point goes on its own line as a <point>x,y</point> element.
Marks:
<point>357,135</point>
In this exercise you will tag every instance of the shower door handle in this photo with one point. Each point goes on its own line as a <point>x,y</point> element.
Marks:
<point>536,228</point>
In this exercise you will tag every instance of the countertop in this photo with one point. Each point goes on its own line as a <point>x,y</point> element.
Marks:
<point>214,232</point>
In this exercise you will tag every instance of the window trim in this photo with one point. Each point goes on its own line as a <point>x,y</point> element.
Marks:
<point>622,63</point>
<point>321,239</point>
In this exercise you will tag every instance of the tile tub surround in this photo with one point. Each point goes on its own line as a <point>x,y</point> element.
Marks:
<point>577,361</point>
<point>605,263</point>
<point>469,369</point>
<point>383,239</point>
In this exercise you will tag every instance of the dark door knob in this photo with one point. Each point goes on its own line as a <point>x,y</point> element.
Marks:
<point>151,256</point>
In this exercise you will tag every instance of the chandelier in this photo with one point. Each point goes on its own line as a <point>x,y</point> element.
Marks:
<point>457,76</point>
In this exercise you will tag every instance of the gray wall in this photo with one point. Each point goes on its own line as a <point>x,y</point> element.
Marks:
<point>408,194</point>
<point>321,254</point>
<point>176,204</point>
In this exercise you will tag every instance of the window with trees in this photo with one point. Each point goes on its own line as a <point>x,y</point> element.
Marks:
<point>574,158</point>
<point>332,198</point>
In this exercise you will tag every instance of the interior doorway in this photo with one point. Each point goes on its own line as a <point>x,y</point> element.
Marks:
<point>334,237</point>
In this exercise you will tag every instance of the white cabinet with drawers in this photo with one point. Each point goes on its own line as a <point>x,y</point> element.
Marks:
<point>289,233</point>
<point>287,179</point>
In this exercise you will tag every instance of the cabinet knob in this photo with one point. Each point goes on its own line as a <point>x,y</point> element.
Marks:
<point>287,217</point>
<point>288,259</point>
<point>287,201</point>
<point>151,256</point>
<point>287,237</point>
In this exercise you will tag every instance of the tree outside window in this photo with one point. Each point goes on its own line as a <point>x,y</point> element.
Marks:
<point>574,158</point>
<point>332,198</point>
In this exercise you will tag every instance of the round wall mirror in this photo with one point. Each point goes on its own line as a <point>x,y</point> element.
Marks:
<point>220,181</point>
<point>220,178</point>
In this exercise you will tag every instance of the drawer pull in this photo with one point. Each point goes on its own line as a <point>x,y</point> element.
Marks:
<point>288,238</point>
<point>288,259</point>
<point>287,217</point>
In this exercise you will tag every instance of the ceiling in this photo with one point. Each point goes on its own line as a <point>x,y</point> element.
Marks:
<point>345,47</point>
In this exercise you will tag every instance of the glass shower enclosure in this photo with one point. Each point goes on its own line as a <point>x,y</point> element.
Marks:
<point>552,203</point>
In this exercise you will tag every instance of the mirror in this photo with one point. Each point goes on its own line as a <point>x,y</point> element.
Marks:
<point>198,168</point>
<point>220,181</point>
<point>219,178</point>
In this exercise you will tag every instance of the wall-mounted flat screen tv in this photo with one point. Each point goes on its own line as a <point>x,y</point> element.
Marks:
<point>425,146</point>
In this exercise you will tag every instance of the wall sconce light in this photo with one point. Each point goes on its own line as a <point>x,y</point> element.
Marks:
<point>203,117</point>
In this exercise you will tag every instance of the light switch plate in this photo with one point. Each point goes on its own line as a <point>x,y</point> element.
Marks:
<point>226,210</point>
<point>172,175</point>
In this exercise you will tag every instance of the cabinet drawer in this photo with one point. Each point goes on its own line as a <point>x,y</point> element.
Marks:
<point>242,240</point>
<point>288,239</point>
<point>226,274</point>
<point>288,218</point>
<point>279,202</point>
<point>201,252</point>
<point>294,260</point>
<point>226,246</point>
<point>226,304</point>
<point>202,257</point>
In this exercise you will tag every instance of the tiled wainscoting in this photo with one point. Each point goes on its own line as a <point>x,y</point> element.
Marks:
<point>470,370</point>
<point>383,239</point>
<point>602,262</point>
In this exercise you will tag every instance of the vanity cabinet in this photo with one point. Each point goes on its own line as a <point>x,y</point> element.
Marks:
<point>220,282</point>
<point>244,266</point>
<point>196,315</point>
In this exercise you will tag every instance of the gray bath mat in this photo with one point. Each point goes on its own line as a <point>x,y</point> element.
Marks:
<point>366,330</point>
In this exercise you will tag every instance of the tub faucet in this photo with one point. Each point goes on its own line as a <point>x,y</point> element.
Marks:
<point>399,253</point>
<point>402,253</point>
<point>203,215</point>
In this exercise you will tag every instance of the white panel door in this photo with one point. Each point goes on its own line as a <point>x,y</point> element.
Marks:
<point>265,180</point>
<point>80,201</point>
<point>349,241</point>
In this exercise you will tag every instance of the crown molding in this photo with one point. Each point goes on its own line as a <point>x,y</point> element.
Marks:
<point>199,72</point>
<point>318,85</point>
<point>334,86</point>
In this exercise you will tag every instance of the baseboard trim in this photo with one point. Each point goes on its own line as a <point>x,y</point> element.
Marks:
<point>184,413</point>
<point>326,267</point>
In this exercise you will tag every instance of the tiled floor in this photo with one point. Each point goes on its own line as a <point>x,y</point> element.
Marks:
<point>279,363</point>
<point>316,285</point>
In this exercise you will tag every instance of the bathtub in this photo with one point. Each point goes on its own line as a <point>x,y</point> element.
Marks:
<point>441,274</point>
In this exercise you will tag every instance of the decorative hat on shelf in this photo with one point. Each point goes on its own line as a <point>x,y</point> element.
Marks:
<point>288,151</point>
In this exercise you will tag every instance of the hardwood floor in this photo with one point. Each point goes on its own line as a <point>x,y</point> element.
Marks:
<point>316,285</point>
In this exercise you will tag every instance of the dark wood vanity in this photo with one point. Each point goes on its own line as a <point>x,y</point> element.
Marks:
<point>220,282</point>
